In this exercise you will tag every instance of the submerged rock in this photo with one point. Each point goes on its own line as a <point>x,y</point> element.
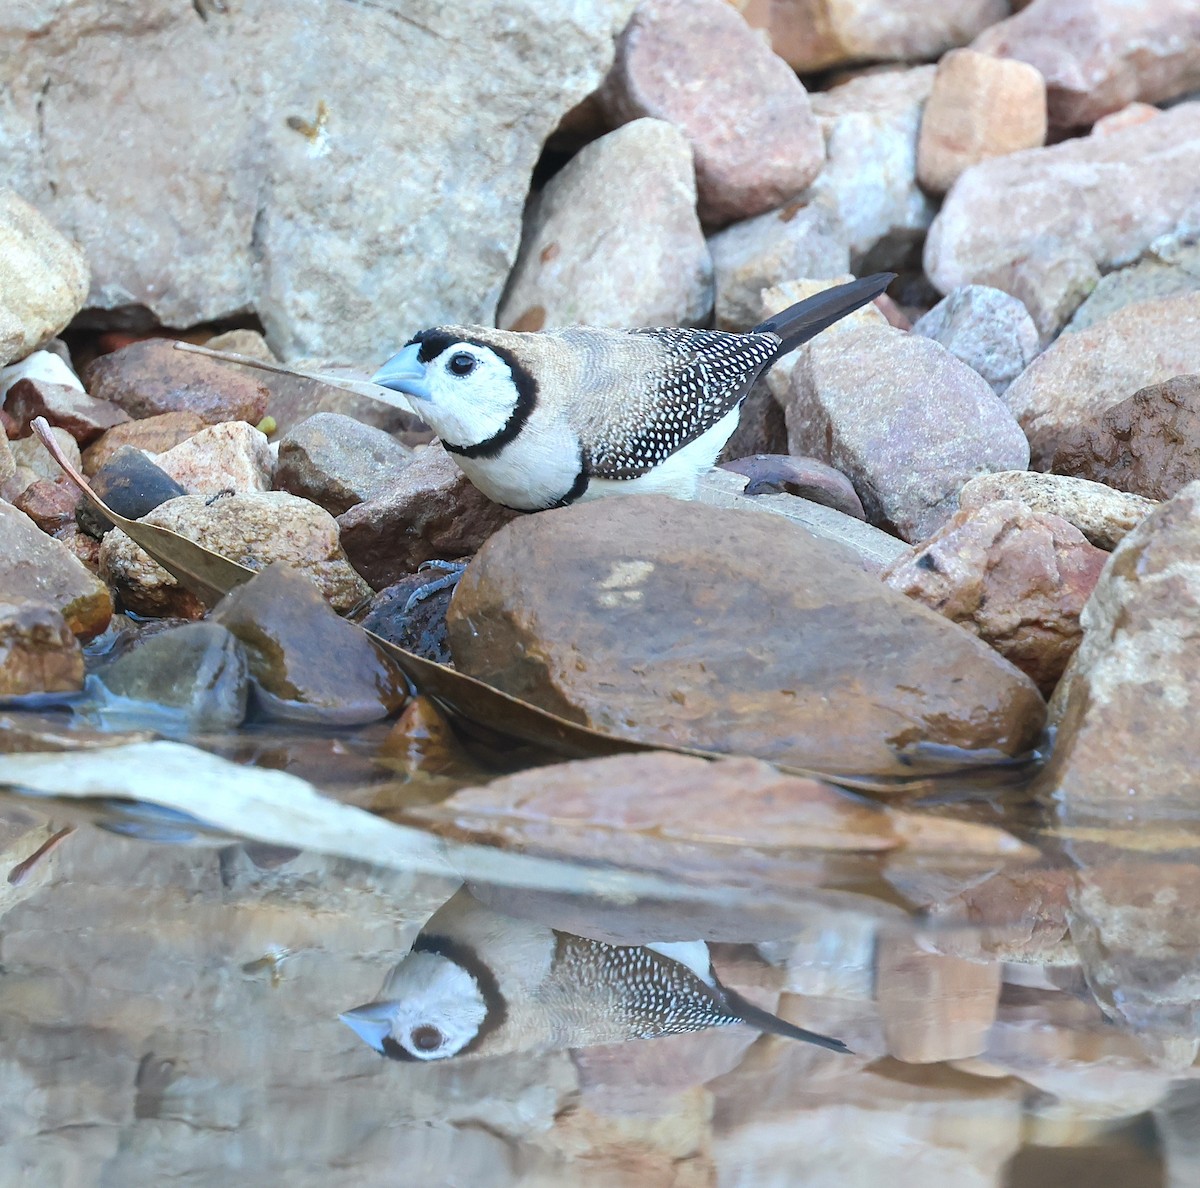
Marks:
<point>307,663</point>
<point>198,670</point>
<point>690,625</point>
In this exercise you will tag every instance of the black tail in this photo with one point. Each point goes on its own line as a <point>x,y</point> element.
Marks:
<point>806,319</point>
<point>765,1021</point>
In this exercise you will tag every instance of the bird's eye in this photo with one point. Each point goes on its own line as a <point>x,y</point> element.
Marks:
<point>427,1038</point>
<point>462,363</point>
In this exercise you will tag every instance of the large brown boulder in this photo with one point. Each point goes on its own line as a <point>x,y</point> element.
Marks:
<point>687,625</point>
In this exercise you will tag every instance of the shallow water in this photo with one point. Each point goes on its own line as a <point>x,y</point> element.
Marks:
<point>169,1011</point>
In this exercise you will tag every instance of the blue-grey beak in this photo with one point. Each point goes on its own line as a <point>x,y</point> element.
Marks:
<point>404,372</point>
<point>371,1022</point>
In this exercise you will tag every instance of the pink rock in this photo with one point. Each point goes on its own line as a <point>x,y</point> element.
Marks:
<point>1016,578</point>
<point>82,416</point>
<point>980,107</point>
<point>698,65</point>
<point>432,512</point>
<point>815,34</point>
<point>1045,223</point>
<point>230,457</point>
<point>1098,55</point>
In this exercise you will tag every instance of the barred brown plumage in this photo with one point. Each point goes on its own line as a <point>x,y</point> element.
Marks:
<point>537,420</point>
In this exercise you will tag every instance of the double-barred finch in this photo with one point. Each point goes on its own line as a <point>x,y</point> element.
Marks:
<point>478,983</point>
<point>539,420</point>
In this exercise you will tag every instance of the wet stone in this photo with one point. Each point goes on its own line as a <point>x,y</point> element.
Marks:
<point>1016,578</point>
<point>421,629</point>
<point>198,670</point>
<point>935,1006</point>
<point>253,530</point>
<point>430,513</point>
<point>307,664</point>
<point>338,462</point>
<point>38,652</point>
<point>82,416</point>
<point>154,435</point>
<point>232,458</point>
<point>151,377</point>
<point>1148,444</point>
<point>680,623</point>
<point>1103,515</point>
<point>132,485</point>
<point>37,568</point>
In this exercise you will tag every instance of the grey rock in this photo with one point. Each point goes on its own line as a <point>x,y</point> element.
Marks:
<point>353,173</point>
<point>1045,223</point>
<point>587,260</point>
<point>869,183</point>
<point>905,420</point>
<point>696,64</point>
<point>798,240</point>
<point>872,549</point>
<point>198,670</point>
<point>1168,267</point>
<point>989,330</point>
<point>43,275</point>
<point>338,462</point>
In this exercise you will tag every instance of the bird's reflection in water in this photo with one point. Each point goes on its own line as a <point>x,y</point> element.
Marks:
<point>477,983</point>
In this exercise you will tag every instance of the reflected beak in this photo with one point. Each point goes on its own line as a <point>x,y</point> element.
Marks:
<point>404,372</point>
<point>371,1022</point>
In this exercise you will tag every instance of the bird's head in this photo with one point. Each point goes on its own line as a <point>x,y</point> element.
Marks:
<point>432,1008</point>
<point>465,382</point>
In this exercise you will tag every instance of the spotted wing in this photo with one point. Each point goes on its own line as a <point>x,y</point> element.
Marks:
<point>693,378</point>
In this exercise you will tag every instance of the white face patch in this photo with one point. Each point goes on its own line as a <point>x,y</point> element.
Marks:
<point>438,1007</point>
<point>472,394</point>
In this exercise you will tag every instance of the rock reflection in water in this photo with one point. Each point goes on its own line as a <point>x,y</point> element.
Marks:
<point>478,983</point>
